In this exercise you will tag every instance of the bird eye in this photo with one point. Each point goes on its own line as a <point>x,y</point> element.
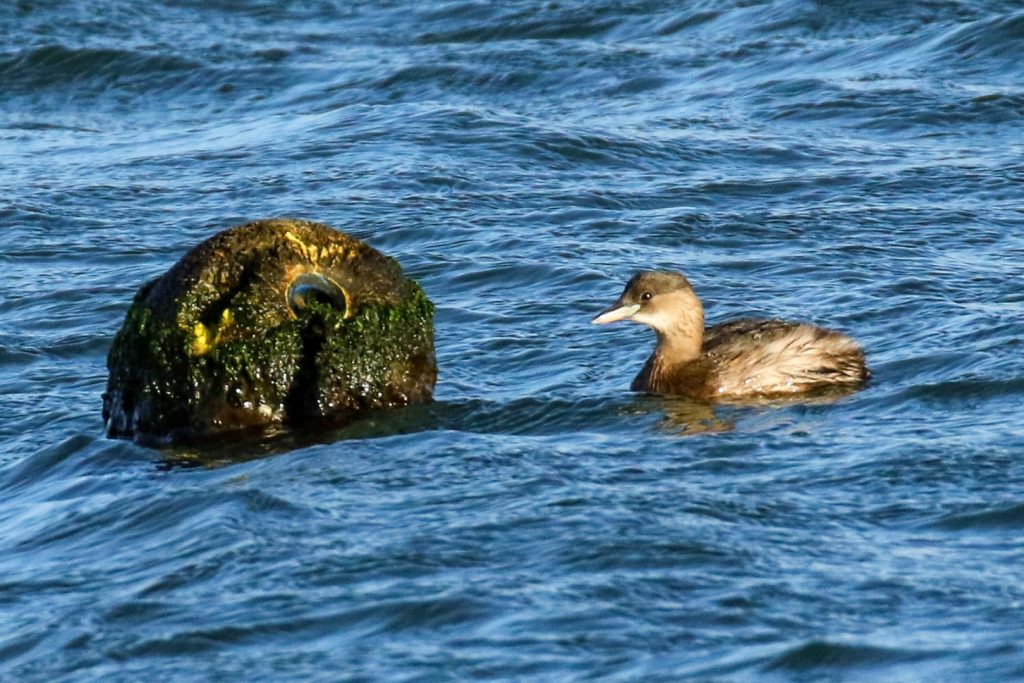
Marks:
<point>646,296</point>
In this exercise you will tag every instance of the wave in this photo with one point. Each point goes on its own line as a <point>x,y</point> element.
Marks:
<point>819,654</point>
<point>999,517</point>
<point>959,391</point>
<point>53,66</point>
<point>1000,36</point>
<point>572,22</point>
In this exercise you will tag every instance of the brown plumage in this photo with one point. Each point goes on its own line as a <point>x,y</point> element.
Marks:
<point>741,359</point>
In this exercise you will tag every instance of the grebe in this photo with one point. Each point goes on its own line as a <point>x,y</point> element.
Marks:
<point>741,359</point>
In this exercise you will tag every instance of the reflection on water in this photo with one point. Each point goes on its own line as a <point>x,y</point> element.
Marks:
<point>685,417</point>
<point>241,446</point>
<point>673,416</point>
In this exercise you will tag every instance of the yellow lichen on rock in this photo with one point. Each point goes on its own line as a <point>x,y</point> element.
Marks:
<point>200,339</point>
<point>204,339</point>
<point>311,254</point>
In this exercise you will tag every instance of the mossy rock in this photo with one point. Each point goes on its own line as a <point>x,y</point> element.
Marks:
<point>277,321</point>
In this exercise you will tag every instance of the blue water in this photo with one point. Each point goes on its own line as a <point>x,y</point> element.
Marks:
<point>855,163</point>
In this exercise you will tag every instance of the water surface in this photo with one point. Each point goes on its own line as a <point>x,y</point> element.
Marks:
<point>855,164</point>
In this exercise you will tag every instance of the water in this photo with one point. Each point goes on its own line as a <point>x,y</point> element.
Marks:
<point>853,163</point>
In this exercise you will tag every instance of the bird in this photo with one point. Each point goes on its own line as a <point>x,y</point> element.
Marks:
<point>731,361</point>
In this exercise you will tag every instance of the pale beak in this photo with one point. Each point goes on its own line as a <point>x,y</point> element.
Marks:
<point>617,312</point>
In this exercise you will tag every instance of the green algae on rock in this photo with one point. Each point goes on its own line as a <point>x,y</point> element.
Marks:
<point>277,321</point>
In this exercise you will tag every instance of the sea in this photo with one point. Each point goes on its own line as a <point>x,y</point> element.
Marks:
<point>858,164</point>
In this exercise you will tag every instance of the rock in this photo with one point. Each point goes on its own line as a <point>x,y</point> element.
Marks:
<point>276,321</point>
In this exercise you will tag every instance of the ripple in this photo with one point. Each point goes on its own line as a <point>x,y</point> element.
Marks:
<point>960,391</point>
<point>1000,36</point>
<point>39,465</point>
<point>57,65</point>
<point>429,614</point>
<point>816,655</point>
<point>575,23</point>
<point>608,556</point>
<point>1000,517</point>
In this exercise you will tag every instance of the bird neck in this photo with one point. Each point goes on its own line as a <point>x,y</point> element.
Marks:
<point>681,340</point>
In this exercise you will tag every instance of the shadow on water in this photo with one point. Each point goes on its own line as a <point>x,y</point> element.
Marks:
<point>667,416</point>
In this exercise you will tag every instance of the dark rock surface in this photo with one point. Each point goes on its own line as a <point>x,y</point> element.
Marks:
<point>276,321</point>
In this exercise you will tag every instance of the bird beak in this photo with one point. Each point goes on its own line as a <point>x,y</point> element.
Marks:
<point>618,311</point>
